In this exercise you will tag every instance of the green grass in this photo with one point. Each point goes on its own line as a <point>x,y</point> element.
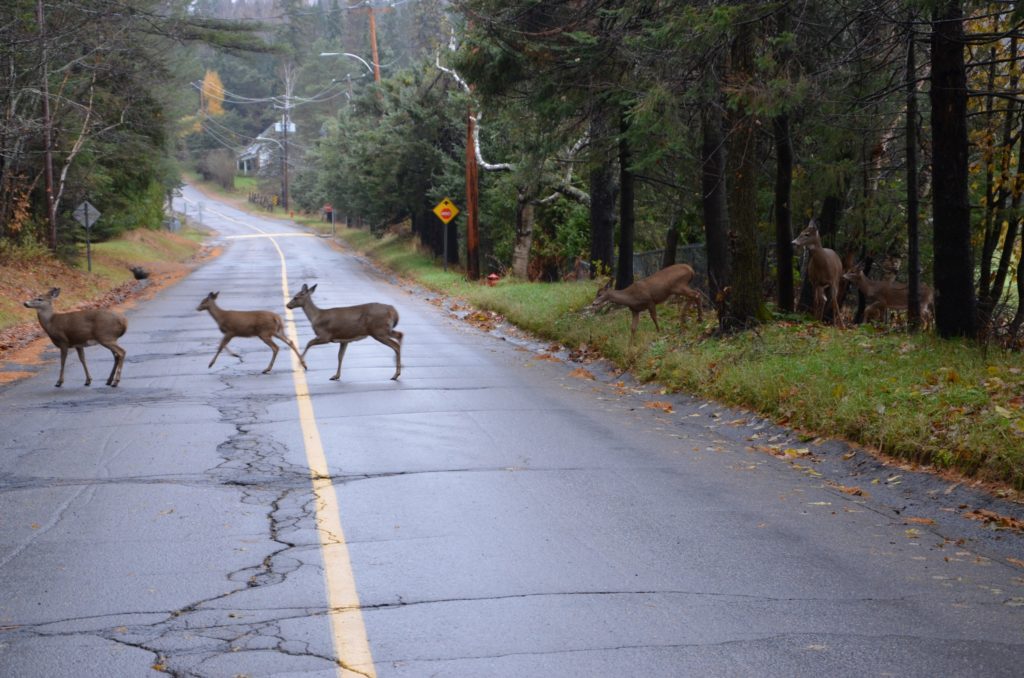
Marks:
<point>949,404</point>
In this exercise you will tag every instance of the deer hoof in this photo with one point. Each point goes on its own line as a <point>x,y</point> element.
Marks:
<point>336,377</point>
<point>266,371</point>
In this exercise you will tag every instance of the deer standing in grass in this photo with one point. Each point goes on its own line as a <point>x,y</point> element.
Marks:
<point>647,293</point>
<point>350,323</point>
<point>887,294</point>
<point>78,329</point>
<point>824,270</point>
<point>262,324</point>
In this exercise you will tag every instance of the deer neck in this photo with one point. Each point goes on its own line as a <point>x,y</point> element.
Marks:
<point>45,315</point>
<point>216,311</point>
<point>311,310</point>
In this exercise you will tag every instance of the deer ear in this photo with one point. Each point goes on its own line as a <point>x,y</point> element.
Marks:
<point>214,295</point>
<point>55,292</point>
<point>304,288</point>
<point>312,289</point>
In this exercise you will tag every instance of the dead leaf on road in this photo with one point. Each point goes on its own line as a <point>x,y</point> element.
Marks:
<point>580,373</point>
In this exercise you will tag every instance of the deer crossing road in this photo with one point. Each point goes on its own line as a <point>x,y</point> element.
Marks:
<point>487,514</point>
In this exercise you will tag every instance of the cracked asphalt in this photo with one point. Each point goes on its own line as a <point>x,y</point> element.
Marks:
<point>502,516</point>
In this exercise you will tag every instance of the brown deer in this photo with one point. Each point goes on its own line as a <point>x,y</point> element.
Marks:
<point>647,293</point>
<point>886,295</point>
<point>78,329</point>
<point>350,323</point>
<point>262,324</point>
<point>824,270</point>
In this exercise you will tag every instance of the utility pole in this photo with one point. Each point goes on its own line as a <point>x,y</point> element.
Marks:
<point>472,192</point>
<point>373,44</point>
<point>51,205</point>
<point>284,156</point>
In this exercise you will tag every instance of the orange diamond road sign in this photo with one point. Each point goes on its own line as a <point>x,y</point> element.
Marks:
<point>446,210</point>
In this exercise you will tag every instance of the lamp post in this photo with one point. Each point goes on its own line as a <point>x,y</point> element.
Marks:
<point>374,69</point>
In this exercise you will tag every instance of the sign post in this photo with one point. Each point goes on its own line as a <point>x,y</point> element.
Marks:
<point>446,211</point>
<point>86,215</point>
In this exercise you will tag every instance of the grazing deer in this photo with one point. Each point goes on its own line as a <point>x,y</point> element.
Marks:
<point>262,324</point>
<point>824,270</point>
<point>78,329</point>
<point>886,295</point>
<point>647,293</point>
<point>350,323</point>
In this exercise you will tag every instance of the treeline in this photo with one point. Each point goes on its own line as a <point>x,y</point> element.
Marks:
<point>91,96</point>
<point>611,127</point>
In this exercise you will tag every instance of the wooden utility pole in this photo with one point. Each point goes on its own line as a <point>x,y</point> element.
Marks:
<point>51,204</point>
<point>472,191</point>
<point>373,44</point>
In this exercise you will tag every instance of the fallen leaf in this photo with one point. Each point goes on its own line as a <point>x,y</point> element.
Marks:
<point>920,521</point>
<point>1016,561</point>
<point>996,520</point>
<point>580,373</point>
<point>659,405</point>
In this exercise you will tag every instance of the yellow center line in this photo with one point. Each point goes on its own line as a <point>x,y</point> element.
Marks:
<point>344,611</point>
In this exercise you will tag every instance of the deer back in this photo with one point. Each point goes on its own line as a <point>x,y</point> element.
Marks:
<point>350,323</point>
<point>84,328</point>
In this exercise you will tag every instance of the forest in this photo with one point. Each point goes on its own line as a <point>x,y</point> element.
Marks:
<point>587,137</point>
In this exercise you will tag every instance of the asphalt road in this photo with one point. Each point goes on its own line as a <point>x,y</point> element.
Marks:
<point>489,514</point>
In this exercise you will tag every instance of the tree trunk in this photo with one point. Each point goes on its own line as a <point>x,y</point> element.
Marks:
<point>955,304</point>
<point>713,200</point>
<point>783,212</point>
<point>913,244</point>
<point>745,301</point>
<point>603,195</point>
<point>671,244</point>
<point>627,204</point>
<point>524,235</point>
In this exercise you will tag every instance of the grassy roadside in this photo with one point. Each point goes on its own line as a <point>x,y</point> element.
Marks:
<point>946,404</point>
<point>27,273</point>
<point>951,405</point>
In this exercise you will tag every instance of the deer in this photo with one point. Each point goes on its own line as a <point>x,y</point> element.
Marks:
<point>78,329</point>
<point>346,324</point>
<point>263,324</point>
<point>887,294</point>
<point>824,270</point>
<point>647,293</point>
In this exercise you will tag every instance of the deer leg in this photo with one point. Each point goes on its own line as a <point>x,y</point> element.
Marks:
<point>81,359</point>
<point>292,346</point>
<point>653,310</point>
<point>273,347</point>
<point>115,372</point>
<point>341,354</point>
<point>223,344</point>
<point>397,348</point>
<point>632,327</point>
<point>63,358</point>
<point>837,319</point>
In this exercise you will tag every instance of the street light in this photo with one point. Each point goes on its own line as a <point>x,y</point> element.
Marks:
<point>374,69</point>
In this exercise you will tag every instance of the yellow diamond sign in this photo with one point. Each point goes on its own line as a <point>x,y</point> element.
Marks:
<point>446,210</point>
